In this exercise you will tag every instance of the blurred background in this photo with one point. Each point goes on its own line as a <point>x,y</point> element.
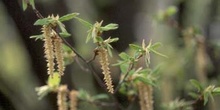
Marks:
<point>188,29</point>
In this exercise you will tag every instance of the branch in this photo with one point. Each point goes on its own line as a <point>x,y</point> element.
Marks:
<point>39,15</point>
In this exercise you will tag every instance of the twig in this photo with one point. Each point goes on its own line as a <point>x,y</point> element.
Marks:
<point>94,56</point>
<point>39,15</point>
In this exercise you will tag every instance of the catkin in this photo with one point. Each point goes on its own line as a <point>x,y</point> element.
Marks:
<point>48,49</point>
<point>62,97</point>
<point>59,54</point>
<point>73,100</point>
<point>145,96</point>
<point>103,58</point>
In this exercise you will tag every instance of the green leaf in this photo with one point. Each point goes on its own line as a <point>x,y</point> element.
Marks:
<point>89,36</point>
<point>145,80</point>
<point>124,67</point>
<point>100,96</point>
<point>44,21</point>
<point>216,91</point>
<point>124,56</point>
<point>158,53</point>
<point>196,84</point>
<point>68,17</point>
<point>135,47</point>
<point>54,81</point>
<point>111,26</point>
<point>87,24</point>
<point>156,45</point>
<point>109,51</point>
<point>32,3</point>
<point>64,34</point>
<point>206,98</point>
<point>24,4</point>
<point>36,37</point>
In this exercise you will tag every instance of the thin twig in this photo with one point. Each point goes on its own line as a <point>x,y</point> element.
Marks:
<point>94,56</point>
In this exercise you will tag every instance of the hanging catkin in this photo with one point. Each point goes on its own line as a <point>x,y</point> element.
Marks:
<point>103,58</point>
<point>62,97</point>
<point>73,100</point>
<point>145,96</point>
<point>59,54</point>
<point>48,49</point>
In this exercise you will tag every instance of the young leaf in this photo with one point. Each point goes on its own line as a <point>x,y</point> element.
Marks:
<point>216,91</point>
<point>64,34</point>
<point>111,26</point>
<point>196,84</point>
<point>36,37</point>
<point>158,53</point>
<point>32,4</point>
<point>24,4</point>
<point>44,21</point>
<point>109,50</point>
<point>124,56</point>
<point>206,98</point>
<point>68,17</point>
<point>87,24</point>
<point>156,45</point>
<point>135,47</point>
<point>89,36</point>
<point>54,81</point>
<point>100,96</point>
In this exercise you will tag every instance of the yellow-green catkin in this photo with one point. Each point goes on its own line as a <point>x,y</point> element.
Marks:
<point>103,58</point>
<point>145,96</point>
<point>48,49</point>
<point>62,97</point>
<point>59,54</point>
<point>73,100</point>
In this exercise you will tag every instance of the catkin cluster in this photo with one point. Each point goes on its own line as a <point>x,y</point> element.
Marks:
<point>73,100</point>
<point>103,58</point>
<point>145,96</point>
<point>62,97</point>
<point>53,48</point>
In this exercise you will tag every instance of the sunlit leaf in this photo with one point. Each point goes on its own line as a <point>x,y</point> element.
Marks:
<point>124,67</point>
<point>68,17</point>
